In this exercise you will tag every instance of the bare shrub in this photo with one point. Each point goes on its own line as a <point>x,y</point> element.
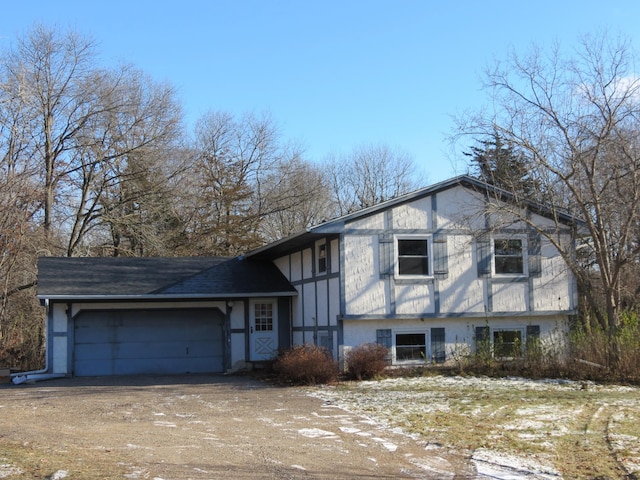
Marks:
<point>306,365</point>
<point>366,361</point>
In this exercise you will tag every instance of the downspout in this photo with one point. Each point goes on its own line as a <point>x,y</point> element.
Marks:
<point>36,375</point>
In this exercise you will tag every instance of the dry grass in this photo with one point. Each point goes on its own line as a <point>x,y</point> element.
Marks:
<point>580,430</point>
<point>44,463</point>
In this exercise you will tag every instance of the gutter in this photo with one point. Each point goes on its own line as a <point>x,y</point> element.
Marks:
<point>164,297</point>
<point>36,375</point>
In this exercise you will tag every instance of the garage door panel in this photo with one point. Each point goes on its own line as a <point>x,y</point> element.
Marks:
<point>125,342</point>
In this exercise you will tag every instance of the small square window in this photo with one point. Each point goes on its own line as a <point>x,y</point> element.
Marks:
<point>413,256</point>
<point>508,256</point>
<point>411,347</point>
<point>322,258</point>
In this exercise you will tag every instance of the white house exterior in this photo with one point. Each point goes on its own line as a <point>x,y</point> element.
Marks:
<point>429,275</point>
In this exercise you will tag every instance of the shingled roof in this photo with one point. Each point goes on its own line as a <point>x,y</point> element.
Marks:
<point>104,278</point>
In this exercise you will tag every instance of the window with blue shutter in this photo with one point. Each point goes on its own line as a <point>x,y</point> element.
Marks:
<point>483,252</point>
<point>438,351</point>
<point>383,337</point>
<point>483,340</point>
<point>440,256</point>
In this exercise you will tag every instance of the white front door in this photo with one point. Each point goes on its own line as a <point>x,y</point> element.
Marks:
<point>263,330</point>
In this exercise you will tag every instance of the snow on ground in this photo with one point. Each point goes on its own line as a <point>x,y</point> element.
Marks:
<point>387,401</point>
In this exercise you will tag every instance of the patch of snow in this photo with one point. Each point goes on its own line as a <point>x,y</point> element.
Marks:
<point>392,447</point>
<point>505,466</point>
<point>165,424</point>
<point>59,475</point>
<point>316,433</point>
<point>7,470</point>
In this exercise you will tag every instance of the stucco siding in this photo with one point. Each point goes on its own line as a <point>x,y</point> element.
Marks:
<point>297,304</point>
<point>334,300</point>
<point>284,265</point>
<point>335,255</point>
<point>459,208</point>
<point>322,306</point>
<point>59,355</point>
<point>371,222</point>
<point>296,267</point>
<point>364,289</point>
<point>459,332</point>
<point>510,297</point>
<point>309,294</point>
<point>414,299</point>
<point>462,290</point>
<point>414,215</point>
<point>59,318</point>
<point>307,263</point>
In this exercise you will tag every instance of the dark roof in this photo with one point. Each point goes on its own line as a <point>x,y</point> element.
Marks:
<point>95,278</point>
<point>337,225</point>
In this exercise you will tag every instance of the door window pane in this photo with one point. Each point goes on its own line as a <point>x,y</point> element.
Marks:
<point>263,317</point>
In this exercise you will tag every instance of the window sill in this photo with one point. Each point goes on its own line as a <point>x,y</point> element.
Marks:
<point>413,279</point>
<point>510,278</point>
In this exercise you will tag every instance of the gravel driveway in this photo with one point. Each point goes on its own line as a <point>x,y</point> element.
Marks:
<point>199,427</point>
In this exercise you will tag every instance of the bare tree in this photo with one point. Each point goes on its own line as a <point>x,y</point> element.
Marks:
<point>370,174</point>
<point>299,197</point>
<point>230,188</point>
<point>80,129</point>
<point>577,120</point>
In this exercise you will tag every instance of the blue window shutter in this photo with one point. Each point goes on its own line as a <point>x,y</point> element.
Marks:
<point>533,339</point>
<point>440,257</point>
<point>483,251</point>
<point>385,252</point>
<point>383,337</point>
<point>534,255</point>
<point>438,351</point>
<point>533,331</point>
<point>483,339</point>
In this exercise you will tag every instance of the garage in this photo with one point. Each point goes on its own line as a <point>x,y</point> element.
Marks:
<point>148,341</point>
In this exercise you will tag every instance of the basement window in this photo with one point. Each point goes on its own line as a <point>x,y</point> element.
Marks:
<point>411,347</point>
<point>507,343</point>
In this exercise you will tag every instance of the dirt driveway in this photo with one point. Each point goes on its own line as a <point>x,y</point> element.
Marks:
<point>198,427</point>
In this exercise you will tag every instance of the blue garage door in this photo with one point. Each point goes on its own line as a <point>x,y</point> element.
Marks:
<point>130,342</point>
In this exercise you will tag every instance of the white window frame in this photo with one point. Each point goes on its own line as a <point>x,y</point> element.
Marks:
<point>394,345</point>
<point>525,257</point>
<point>523,339</point>
<point>396,253</point>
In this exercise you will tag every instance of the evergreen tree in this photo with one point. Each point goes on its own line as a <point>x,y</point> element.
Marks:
<point>500,163</point>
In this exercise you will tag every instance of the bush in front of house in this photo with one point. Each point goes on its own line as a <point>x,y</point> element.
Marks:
<point>366,361</point>
<point>306,365</point>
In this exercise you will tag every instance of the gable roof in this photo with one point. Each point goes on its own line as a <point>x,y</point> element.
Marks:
<point>110,278</point>
<point>335,226</point>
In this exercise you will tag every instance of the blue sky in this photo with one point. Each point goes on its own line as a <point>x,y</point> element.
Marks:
<point>333,74</point>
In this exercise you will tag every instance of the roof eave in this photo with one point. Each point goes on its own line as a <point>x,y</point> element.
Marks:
<point>169,297</point>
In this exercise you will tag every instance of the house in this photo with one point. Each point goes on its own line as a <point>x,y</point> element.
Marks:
<point>430,274</point>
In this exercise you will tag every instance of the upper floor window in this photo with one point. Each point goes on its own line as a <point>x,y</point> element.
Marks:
<point>509,256</point>
<point>413,256</point>
<point>322,258</point>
